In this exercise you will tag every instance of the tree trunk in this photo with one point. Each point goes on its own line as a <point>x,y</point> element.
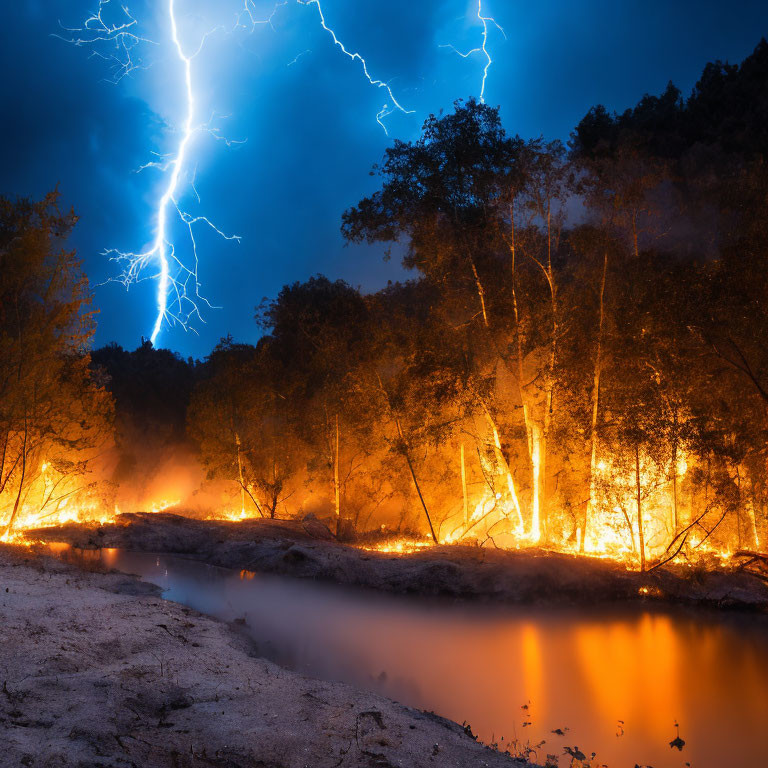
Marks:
<point>254,500</point>
<point>480,291</point>
<point>536,446</point>
<point>336,485</point>
<point>275,492</point>
<point>407,455</point>
<point>17,503</point>
<point>757,503</point>
<point>635,244</point>
<point>505,467</point>
<point>549,404</point>
<point>240,474</point>
<point>3,478</point>
<point>586,529</point>
<point>675,516</point>
<point>738,509</point>
<point>640,534</point>
<point>755,534</point>
<point>464,486</point>
<point>542,471</point>
<point>535,512</point>
<point>675,513</point>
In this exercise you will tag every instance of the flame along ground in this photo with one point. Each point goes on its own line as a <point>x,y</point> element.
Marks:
<point>113,34</point>
<point>55,499</point>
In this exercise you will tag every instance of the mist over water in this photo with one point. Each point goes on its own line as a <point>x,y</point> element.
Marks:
<point>615,680</point>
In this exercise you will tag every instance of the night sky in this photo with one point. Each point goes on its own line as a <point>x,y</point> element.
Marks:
<point>311,127</point>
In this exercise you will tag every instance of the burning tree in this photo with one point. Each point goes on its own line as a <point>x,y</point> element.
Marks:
<point>318,336</point>
<point>241,419</point>
<point>54,413</point>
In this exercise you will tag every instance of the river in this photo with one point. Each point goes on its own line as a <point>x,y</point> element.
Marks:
<point>614,680</point>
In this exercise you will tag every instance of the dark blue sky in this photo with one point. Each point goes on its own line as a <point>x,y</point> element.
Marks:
<point>311,128</point>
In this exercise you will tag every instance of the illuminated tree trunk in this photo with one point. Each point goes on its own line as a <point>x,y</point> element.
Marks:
<point>595,410</point>
<point>634,234</point>
<point>542,471</point>
<point>539,466</point>
<point>4,479</point>
<point>255,501</point>
<point>549,406</point>
<point>535,511</point>
<point>276,488</point>
<point>502,462</point>
<point>3,476</point>
<point>536,446</point>
<point>240,473</point>
<point>17,503</point>
<point>640,534</point>
<point>464,486</point>
<point>244,489</point>
<point>675,461</point>
<point>675,516</point>
<point>754,528</point>
<point>407,455</point>
<point>480,291</point>
<point>752,512</point>
<point>336,485</point>
<point>738,509</point>
<point>750,508</point>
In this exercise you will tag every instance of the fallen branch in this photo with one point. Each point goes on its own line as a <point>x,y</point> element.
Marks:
<point>757,559</point>
<point>683,533</point>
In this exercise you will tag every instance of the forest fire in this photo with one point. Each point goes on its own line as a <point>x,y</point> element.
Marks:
<point>533,388</point>
<point>664,531</point>
<point>641,513</point>
<point>519,479</point>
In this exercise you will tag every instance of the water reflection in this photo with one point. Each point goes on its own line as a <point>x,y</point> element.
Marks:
<point>614,682</point>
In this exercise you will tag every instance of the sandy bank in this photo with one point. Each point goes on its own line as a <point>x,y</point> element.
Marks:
<point>306,550</point>
<point>97,670</point>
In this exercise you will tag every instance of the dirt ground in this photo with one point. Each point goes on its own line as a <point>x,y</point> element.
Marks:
<point>98,671</point>
<point>307,550</point>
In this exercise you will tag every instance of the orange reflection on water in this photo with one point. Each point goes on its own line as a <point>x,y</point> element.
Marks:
<point>109,557</point>
<point>579,673</point>
<point>58,547</point>
<point>532,663</point>
<point>629,672</point>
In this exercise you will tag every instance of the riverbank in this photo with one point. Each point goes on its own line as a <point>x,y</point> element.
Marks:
<point>98,670</point>
<point>305,549</point>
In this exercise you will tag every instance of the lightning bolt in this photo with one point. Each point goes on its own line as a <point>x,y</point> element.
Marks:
<point>118,42</point>
<point>249,11</point>
<point>121,39</point>
<point>387,109</point>
<point>485,21</point>
<point>162,249</point>
<point>178,285</point>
